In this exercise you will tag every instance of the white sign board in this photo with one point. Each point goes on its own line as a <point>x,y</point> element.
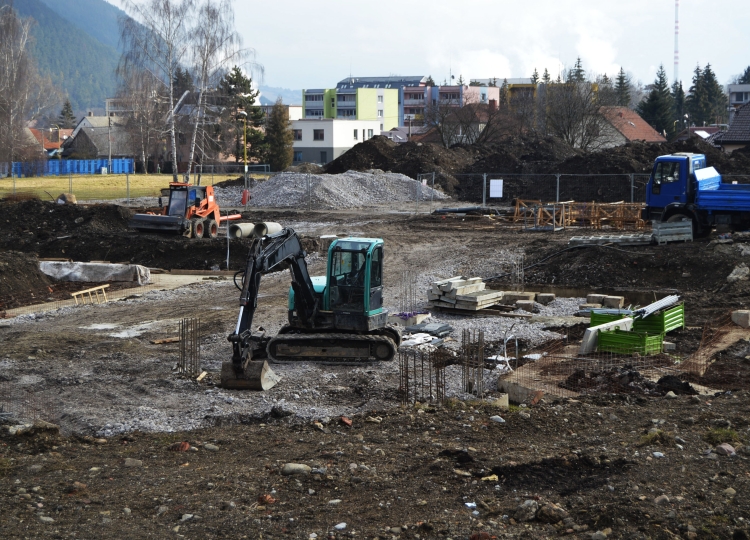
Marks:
<point>496,189</point>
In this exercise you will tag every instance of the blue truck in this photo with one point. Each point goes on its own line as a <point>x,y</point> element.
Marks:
<point>683,188</point>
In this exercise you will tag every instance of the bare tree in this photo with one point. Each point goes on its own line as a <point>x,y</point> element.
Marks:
<point>573,113</point>
<point>216,45</point>
<point>156,37</point>
<point>144,97</point>
<point>474,122</point>
<point>23,93</point>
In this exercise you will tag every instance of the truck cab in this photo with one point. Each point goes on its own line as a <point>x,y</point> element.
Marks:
<point>670,182</point>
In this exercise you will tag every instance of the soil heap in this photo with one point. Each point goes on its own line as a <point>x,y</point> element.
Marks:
<point>19,276</point>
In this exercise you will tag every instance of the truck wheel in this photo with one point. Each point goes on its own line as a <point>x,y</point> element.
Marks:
<point>199,228</point>
<point>677,218</point>
<point>212,228</point>
<point>697,229</point>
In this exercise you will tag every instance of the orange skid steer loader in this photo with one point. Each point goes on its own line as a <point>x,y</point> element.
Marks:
<point>191,211</point>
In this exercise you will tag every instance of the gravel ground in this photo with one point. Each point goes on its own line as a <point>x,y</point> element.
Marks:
<point>348,190</point>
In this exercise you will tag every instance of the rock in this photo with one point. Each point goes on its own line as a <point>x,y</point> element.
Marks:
<point>526,511</point>
<point>35,468</point>
<point>740,273</point>
<point>730,492</point>
<point>290,469</point>
<point>130,462</point>
<point>186,517</point>
<point>599,535</point>
<point>161,510</point>
<point>725,449</point>
<point>334,501</point>
<point>340,527</point>
<point>551,513</point>
<point>497,419</point>
<point>670,395</point>
<point>661,499</point>
<point>211,447</point>
<point>20,429</point>
<point>395,530</point>
<point>127,511</point>
<point>46,519</point>
<point>658,455</point>
<point>525,415</point>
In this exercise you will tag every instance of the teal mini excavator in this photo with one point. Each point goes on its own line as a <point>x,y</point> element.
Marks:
<point>337,318</point>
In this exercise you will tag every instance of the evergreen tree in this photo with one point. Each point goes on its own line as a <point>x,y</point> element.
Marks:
<point>656,109</point>
<point>504,93</point>
<point>67,120</point>
<point>697,100</point>
<point>546,79</point>
<point>535,77</point>
<point>460,80</point>
<point>622,88</point>
<point>429,81</point>
<point>577,74</point>
<point>745,77</point>
<point>707,101</point>
<point>678,105</point>
<point>717,99</point>
<point>493,82</point>
<point>606,94</point>
<point>279,138</point>
<point>236,94</point>
<point>183,82</point>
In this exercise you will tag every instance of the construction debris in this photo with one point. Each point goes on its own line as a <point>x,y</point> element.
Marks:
<point>462,293</point>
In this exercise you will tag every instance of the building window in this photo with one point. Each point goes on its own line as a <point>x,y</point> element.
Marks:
<point>381,127</point>
<point>298,155</point>
<point>297,134</point>
<point>380,99</point>
<point>333,102</point>
<point>369,134</point>
<point>313,97</point>
<point>318,135</point>
<point>324,157</point>
<point>346,113</point>
<point>380,114</point>
<point>355,135</point>
<point>313,113</point>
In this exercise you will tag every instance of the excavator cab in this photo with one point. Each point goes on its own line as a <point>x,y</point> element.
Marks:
<point>355,285</point>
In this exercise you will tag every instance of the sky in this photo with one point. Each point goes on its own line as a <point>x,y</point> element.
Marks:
<point>308,44</point>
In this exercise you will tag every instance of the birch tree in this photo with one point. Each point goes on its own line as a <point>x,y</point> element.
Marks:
<point>156,37</point>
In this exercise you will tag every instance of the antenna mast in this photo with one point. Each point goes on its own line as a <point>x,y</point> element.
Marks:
<point>676,36</point>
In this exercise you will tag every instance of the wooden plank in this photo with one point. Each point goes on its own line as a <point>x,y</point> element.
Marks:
<point>202,376</point>
<point>483,313</point>
<point>165,340</point>
<point>465,290</point>
<point>442,281</point>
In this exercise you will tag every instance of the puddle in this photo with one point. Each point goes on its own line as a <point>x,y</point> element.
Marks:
<point>101,326</point>
<point>133,331</point>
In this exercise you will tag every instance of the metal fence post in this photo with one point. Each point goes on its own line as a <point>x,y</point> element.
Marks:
<point>632,187</point>
<point>557,195</point>
<point>227,223</point>
<point>309,193</point>
<point>432,195</point>
<point>484,190</point>
<point>13,176</point>
<point>70,182</point>
<point>127,187</point>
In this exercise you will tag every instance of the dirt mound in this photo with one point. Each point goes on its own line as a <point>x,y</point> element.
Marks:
<point>19,277</point>
<point>46,219</point>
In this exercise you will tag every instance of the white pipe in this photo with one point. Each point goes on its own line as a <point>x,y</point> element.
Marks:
<point>266,228</point>
<point>241,230</point>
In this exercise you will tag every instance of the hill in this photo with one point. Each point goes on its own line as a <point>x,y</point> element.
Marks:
<point>269,94</point>
<point>81,66</point>
<point>95,17</point>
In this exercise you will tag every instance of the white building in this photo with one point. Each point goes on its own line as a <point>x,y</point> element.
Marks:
<point>323,140</point>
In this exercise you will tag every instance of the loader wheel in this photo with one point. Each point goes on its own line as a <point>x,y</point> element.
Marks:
<point>212,229</point>
<point>199,228</point>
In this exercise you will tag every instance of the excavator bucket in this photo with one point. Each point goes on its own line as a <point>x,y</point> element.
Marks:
<point>254,376</point>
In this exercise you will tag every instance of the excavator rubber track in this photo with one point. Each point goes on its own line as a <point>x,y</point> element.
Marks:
<point>331,348</point>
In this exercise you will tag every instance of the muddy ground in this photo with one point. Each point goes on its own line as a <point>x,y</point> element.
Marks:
<point>418,468</point>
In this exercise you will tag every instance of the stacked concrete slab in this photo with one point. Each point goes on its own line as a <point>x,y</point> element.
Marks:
<point>462,293</point>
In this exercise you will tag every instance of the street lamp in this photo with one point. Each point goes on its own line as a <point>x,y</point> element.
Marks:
<point>243,116</point>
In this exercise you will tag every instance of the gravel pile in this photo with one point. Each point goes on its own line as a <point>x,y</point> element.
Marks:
<point>331,191</point>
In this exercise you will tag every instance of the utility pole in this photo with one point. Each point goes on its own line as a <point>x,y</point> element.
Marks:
<point>243,115</point>
<point>109,138</point>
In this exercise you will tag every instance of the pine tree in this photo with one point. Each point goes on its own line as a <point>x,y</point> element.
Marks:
<point>429,81</point>
<point>745,77</point>
<point>656,109</point>
<point>717,99</point>
<point>622,88</point>
<point>678,104</point>
<point>577,74</point>
<point>606,94</point>
<point>67,120</point>
<point>535,77</point>
<point>546,79</point>
<point>183,82</point>
<point>493,82</point>
<point>504,93</point>
<point>279,138</point>
<point>460,80</point>
<point>236,94</point>
<point>707,102</point>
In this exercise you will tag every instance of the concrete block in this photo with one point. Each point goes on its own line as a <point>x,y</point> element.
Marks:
<point>526,305</point>
<point>545,298</point>
<point>613,301</point>
<point>501,401</point>
<point>511,297</point>
<point>517,393</point>
<point>666,346</point>
<point>741,318</point>
<point>591,336</point>
<point>589,306</point>
<point>414,319</point>
<point>595,298</point>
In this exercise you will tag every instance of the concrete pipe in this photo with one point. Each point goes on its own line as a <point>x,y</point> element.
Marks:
<point>266,228</point>
<point>241,230</point>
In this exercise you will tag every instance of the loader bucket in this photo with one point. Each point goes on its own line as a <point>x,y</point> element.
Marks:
<point>157,223</point>
<point>254,376</point>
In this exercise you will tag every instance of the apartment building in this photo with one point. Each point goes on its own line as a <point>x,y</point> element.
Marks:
<point>321,140</point>
<point>417,100</point>
<point>739,95</point>
<point>376,104</point>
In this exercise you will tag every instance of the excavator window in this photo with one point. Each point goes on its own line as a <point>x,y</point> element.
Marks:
<point>348,280</point>
<point>376,268</point>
